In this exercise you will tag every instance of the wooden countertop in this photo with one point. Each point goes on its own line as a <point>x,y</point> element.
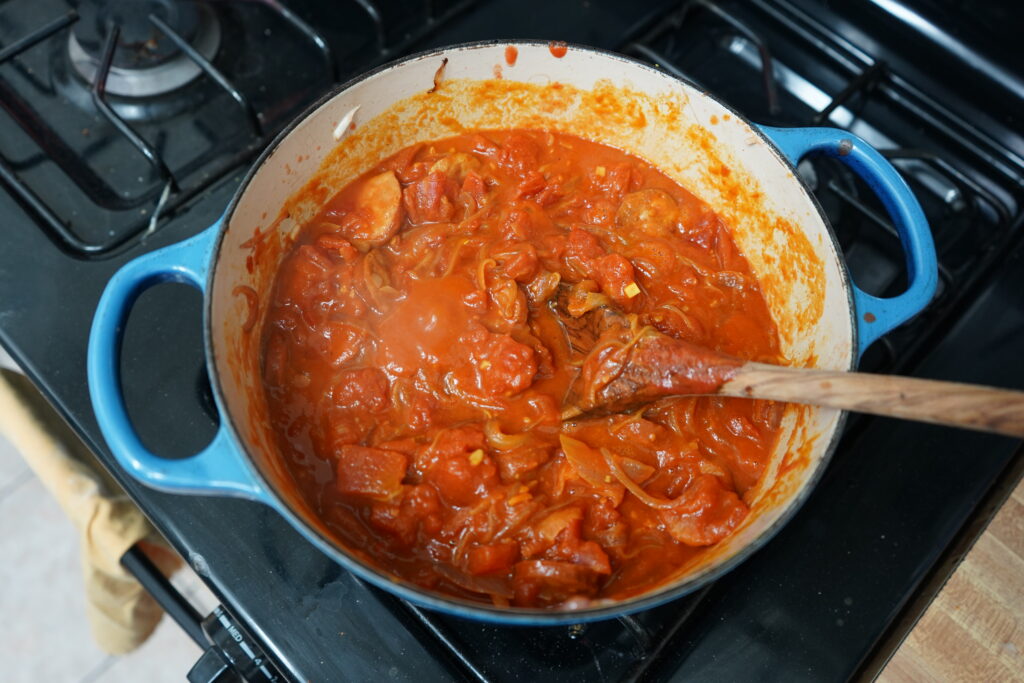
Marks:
<point>974,629</point>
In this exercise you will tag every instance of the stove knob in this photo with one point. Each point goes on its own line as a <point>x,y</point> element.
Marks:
<point>213,668</point>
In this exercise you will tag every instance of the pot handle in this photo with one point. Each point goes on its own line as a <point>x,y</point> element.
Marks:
<point>220,467</point>
<point>875,316</point>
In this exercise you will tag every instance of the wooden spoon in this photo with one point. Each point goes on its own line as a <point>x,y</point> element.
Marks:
<point>626,368</point>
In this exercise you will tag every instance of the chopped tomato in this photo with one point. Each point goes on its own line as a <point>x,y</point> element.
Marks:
<point>550,581</point>
<point>492,559</point>
<point>519,261</point>
<point>519,154</point>
<point>344,342</point>
<point>416,509</point>
<point>308,277</point>
<point>429,200</point>
<point>475,186</point>
<point>450,442</point>
<point>706,515</point>
<point>333,244</point>
<point>365,388</point>
<point>371,472</point>
<point>516,464</point>
<point>459,481</point>
<point>615,275</point>
<point>498,365</point>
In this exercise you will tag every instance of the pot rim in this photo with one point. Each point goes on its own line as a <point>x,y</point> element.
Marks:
<point>478,610</point>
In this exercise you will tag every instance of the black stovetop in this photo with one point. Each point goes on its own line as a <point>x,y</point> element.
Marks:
<point>930,82</point>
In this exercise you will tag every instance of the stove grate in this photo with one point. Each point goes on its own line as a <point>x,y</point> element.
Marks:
<point>969,201</point>
<point>116,201</point>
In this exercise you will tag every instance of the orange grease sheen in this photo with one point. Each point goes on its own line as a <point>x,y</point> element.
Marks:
<point>416,387</point>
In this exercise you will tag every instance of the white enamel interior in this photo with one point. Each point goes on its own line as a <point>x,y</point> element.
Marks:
<point>810,306</point>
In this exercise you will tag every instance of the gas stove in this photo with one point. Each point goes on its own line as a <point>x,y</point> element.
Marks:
<point>126,126</point>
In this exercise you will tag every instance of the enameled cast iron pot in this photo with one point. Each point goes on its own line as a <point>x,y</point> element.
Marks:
<point>744,171</point>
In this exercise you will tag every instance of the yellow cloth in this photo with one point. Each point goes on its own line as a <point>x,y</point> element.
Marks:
<point>121,613</point>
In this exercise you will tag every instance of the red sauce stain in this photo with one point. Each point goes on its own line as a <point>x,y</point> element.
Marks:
<point>798,458</point>
<point>726,117</point>
<point>511,54</point>
<point>451,122</point>
<point>714,120</point>
<point>497,71</point>
<point>252,301</point>
<point>870,317</point>
<point>557,48</point>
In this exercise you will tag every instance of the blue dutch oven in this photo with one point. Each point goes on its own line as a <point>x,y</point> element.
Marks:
<point>824,320</point>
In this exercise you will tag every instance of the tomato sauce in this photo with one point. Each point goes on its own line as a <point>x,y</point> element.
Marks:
<point>418,355</point>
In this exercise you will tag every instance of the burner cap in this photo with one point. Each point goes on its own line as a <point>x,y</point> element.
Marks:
<point>146,62</point>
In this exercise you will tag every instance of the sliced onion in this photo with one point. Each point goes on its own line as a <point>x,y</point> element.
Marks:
<point>635,489</point>
<point>542,287</point>
<point>494,586</point>
<point>584,461</point>
<point>708,467</point>
<point>501,441</point>
<point>618,426</point>
<point>523,512</point>
<point>591,469</point>
<point>636,470</point>
<point>481,272</point>
<point>454,258</point>
<point>687,319</point>
<point>550,526</point>
<point>630,554</point>
<point>700,270</point>
<point>427,263</point>
<point>375,277</point>
<point>584,297</point>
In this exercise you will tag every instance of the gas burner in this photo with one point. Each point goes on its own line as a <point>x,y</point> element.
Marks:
<point>146,62</point>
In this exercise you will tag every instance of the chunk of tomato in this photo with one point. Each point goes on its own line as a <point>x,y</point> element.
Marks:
<point>361,389</point>
<point>461,483</point>
<point>551,581</point>
<point>370,472</point>
<point>519,154</point>
<point>707,513</point>
<point>429,200</point>
<point>492,559</point>
<point>499,365</point>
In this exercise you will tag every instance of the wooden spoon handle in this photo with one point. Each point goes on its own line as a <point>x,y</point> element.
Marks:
<point>949,403</point>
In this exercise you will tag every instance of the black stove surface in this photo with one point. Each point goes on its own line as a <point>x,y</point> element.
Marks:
<point>90,179</point>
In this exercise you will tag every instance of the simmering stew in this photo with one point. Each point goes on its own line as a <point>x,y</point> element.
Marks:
<point>423,336</point>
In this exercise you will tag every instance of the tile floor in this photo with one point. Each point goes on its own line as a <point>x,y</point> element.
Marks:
<point>44,635</point>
